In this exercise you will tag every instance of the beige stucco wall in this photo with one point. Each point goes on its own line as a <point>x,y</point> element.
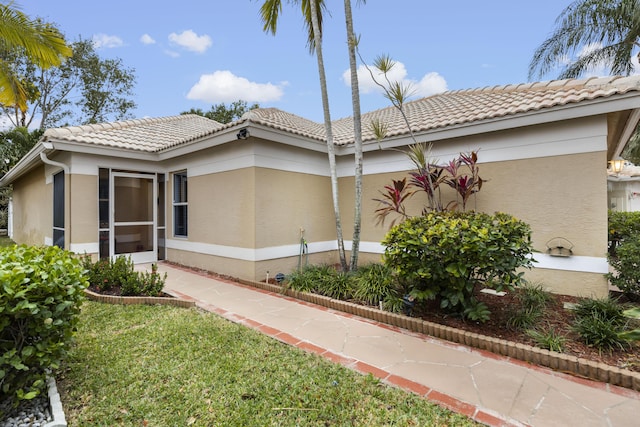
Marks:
<point>83,195</point>
<point>287,202</point>
<point>558,196</point>
<point>248,209</point>
<point>221,208</point>
<point>32,208</point>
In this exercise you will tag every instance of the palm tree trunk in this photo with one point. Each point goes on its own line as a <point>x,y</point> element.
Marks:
<point>357,135</point>
<point>329,132</point>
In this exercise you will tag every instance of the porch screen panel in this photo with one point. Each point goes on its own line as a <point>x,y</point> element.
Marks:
<point>58,210</point>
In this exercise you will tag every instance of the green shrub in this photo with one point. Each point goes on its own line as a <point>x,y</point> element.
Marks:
<point>373,283</point>
<point>309,278</point>
<point>548,338</point>
<point>534,296</point>
<point>625,262</point>
<point>606,308</point>
<point>444,255</point>
<point>600,332</point>
<point>599,322</point>
<point>522,318</point>
<point>40,295</point>
<point>107,273</point>
<point>532,303</point>
<point>144,283</point>
<point>622,227</point>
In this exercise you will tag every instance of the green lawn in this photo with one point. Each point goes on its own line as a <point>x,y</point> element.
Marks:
<point>164,366</point>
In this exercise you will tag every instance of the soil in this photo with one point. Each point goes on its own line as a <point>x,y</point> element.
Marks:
<point>556,316</point>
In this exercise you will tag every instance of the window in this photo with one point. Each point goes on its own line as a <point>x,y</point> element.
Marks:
<point>58,210</point>
<point>180,204</point>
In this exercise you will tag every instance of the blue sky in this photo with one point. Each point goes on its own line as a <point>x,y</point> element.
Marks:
<point>193,54</point>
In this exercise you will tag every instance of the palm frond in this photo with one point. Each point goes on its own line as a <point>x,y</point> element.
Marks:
<point>612,24</point>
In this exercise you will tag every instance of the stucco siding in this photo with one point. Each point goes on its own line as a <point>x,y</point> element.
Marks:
<point>84,209</point>
<point>32,209</point>
<point>287,202</point>
<point>221,208</point>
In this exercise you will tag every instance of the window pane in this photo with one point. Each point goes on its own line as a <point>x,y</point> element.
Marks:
<point>58,200</point>
<point>161,244</point>
<point>180,187</point>
<point>161,200</point>
<point>103,202</point>
<point>104,244</point>
<point>180,220</point>
<point>58,238</point>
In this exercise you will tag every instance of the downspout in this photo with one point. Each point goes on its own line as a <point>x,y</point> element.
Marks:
<point>67,191</point>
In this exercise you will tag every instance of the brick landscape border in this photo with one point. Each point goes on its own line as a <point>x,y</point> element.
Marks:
<point>114,299</point>
<point>557,361</point>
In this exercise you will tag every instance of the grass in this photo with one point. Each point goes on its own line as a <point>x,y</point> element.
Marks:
<point>161,366</point>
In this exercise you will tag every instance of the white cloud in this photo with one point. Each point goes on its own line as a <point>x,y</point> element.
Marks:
<point>106,41</point>
<point>147,39</point>
<point>191,41</point>
<point>172,53</point>
<point>430,83</point>
<point>224,86</point>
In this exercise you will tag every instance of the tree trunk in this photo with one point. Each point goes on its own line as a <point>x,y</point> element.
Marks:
<point>357,135</point>
<point>329,132</point>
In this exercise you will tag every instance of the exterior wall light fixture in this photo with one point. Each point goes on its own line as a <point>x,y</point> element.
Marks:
<point>617,165</point>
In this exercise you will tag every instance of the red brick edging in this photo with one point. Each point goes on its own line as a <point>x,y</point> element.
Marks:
<point>114,299</point>
<point>557,361</point>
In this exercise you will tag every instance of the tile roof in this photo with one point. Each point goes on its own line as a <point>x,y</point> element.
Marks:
<point>150,134</point>
<point>434,112</point>
<point>460,107</point>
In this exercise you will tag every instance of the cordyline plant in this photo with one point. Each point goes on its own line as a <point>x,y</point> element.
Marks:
<point>461,174</point>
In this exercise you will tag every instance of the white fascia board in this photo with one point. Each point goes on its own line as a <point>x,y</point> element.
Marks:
<point>288,138</point>
<point>255,131</point>
<point>24,165</point>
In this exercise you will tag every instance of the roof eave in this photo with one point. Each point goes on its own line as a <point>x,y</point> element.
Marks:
<point>28,162</point>
<point>594,107</point>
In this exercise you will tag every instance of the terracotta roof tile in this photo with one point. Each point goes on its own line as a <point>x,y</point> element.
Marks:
<point>434,112</point>
<point>150,135</point>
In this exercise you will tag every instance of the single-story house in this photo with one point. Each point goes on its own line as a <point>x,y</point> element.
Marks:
<point>237,198</point>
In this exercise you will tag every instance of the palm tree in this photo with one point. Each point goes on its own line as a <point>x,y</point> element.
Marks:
<point>42,43</point>
<point>357,135</point>
<point>312,13</point>
<point>607,32</point>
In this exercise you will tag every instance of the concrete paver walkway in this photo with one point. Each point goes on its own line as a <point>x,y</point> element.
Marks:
<point>491,389</point>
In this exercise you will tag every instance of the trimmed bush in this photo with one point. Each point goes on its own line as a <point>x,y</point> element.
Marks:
<point>626,275</point>
<point>444,255</point>
<point>106,274</point>
<point>622,227</point>
<point>40,295</point>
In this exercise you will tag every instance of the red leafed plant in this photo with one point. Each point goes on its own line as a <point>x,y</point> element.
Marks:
<point>461,174</point>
